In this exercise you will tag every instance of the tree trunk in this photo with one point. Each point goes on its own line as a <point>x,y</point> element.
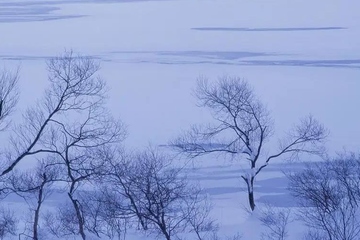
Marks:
<point>163,229</point>
<point>37,210</point>
<point>166,234</point>
<point>36,219</point>
<point>250,188</point>
<point>78,216</point>
<point>251,200</point>
<point>251,194</point>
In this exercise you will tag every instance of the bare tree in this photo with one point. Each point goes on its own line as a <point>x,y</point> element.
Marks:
<point>9,95</point>
<point>276,221</point>
<point>148,188</point>
<point>328,193</point>
<point>198,216</point>
<point>242,128</point>
<point>8,223</point>
<point>107,213</point>
<point>63,221</point>
<point>34,186</point>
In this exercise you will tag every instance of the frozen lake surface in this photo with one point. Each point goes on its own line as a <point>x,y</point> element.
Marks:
<point>301,57</point>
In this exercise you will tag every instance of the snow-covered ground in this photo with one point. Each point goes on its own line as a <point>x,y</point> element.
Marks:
<point>301,56</point>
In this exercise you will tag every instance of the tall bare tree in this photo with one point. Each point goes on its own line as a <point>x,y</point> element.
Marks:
<point>9,96</point>
<point>242,128</point>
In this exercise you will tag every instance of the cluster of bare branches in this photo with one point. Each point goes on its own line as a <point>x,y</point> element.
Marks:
<point>8,223</point>
<point>276,222</point>
<point>242,128</point>
<point>34,186</point>
<point>329,194</point>
<point>9,95</point>
<point>144,190</point>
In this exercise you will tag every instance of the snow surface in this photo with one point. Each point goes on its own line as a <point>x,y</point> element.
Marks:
<point>301,56</point>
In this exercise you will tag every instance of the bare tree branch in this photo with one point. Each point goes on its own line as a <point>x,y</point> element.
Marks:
<point>9,95</point>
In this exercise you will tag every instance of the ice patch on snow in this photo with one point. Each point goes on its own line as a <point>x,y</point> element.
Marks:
<point>286,29</point>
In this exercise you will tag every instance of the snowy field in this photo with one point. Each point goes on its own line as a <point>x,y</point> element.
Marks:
<point>300,56</point>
